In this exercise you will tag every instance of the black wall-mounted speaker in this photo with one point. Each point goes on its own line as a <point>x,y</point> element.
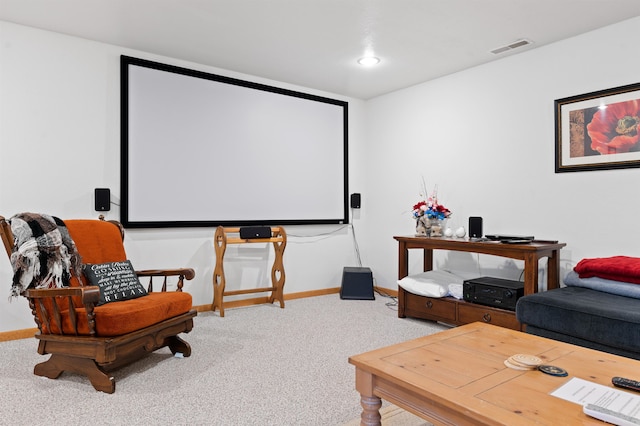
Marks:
<point>355,201</point>
<point>102,199</point>
<point>251,232</point>
<point>475,227</point>
<point>357,284</point>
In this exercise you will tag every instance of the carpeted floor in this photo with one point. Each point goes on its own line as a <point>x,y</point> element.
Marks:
<point>259,365</point>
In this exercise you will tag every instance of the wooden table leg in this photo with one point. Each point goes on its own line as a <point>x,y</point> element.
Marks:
<point>370,403</point>
<point>370,411</point>
<point>403,260</point>
<point>530,274</point>
<point>427,260</point>
<point>403,271</point>
<point>553,270</point>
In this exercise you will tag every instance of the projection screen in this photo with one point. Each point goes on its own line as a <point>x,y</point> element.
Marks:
<point>199,149</point>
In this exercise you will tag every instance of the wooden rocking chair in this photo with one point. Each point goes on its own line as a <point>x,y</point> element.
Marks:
<point>92,340</point>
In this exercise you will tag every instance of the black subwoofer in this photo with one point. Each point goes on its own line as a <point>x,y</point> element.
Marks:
<point>357,284</point>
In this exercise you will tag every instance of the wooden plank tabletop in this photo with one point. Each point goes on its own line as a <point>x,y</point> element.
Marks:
<point>458,376</point>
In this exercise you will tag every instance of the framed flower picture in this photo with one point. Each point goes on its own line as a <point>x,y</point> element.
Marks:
<point>598,130</point>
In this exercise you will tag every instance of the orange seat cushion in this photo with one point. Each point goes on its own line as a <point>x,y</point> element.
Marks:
<point>118,318</point>
<point>101,242</point>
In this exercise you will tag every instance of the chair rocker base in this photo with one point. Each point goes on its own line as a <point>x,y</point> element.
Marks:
<point>56,364</point>
<point>94,357</point>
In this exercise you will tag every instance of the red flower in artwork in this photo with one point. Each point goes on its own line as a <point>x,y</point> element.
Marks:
<point>615,129</point>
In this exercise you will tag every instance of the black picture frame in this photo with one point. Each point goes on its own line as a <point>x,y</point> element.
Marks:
<point>598,130</point>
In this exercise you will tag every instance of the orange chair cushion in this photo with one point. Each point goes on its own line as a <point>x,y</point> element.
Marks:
<point>118,318</point>
<point>97,241</point>
<point>101,242</point>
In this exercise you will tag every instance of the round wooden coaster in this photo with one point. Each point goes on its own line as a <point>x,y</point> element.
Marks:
<point>516,367</point>
<point>519,364</point>
<point>524,359</point>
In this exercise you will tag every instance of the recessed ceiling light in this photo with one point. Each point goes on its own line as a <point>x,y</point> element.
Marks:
<point>368,61</point>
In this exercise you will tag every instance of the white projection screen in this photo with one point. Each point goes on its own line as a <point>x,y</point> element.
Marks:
<point>200,149</point>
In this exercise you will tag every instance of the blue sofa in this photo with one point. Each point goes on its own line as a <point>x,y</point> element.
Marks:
<point>584,317</point>
<point>593,312</point>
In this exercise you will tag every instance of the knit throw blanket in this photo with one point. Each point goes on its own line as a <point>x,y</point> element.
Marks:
<point>44,255</point>
<point>616,268</point>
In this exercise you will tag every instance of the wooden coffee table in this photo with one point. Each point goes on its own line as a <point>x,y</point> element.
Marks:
<point>458,377</point>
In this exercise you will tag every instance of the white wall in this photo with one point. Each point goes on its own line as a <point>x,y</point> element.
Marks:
<point>486,137</point>
<point>59,139</point>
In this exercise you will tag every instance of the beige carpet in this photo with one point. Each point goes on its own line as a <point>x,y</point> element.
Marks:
<point>395,416</point>
<point>259,365</point>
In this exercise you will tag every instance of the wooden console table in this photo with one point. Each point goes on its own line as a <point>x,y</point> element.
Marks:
<point>459,312</point>
<point>221,239</point>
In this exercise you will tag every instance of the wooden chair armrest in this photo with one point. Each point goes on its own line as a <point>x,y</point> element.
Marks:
<point>188,273</point>
<point>46,310</point>
<point>87,295</point>
<point>181,273</point>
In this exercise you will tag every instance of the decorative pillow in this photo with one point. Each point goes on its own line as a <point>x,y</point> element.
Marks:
<point>456,291</point>
<point>430,283</point>
<point>117,281</point>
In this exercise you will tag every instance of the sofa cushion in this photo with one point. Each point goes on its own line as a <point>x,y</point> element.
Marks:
<point>586,314</point>
<point>581,342</point>
<point>115,319</point>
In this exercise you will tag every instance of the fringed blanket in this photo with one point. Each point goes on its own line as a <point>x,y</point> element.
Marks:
<point>44,255</point>
<point>617,268</point>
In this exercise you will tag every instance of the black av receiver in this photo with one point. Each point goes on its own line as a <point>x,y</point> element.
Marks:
<point>492,291</point>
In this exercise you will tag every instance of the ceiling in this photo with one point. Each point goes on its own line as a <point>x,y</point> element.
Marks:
<point>315,43</point>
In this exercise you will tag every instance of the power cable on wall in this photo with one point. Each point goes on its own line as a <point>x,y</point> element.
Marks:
<point>394,300</point>
<point>356,247</point>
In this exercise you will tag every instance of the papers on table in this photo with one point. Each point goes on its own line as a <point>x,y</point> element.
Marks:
<point>610,399</point>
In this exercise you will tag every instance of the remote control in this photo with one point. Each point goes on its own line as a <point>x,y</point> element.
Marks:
<point>622,382</point>
<point>610,416</point>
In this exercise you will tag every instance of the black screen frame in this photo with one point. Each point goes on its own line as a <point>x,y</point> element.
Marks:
<point>128,222</point>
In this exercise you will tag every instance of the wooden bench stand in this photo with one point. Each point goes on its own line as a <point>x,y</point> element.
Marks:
<point>222,239</point>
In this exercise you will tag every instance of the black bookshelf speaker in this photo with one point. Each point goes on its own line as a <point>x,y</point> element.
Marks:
<point>102,199</point>
<point>357,284</point>
<point>255,232</point>
<point>475,227</point>
<point>355,200</point>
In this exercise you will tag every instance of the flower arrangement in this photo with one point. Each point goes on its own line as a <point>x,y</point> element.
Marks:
<point>431,208</point>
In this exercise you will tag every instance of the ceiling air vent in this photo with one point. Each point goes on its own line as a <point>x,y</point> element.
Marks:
<point>512,46</point>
